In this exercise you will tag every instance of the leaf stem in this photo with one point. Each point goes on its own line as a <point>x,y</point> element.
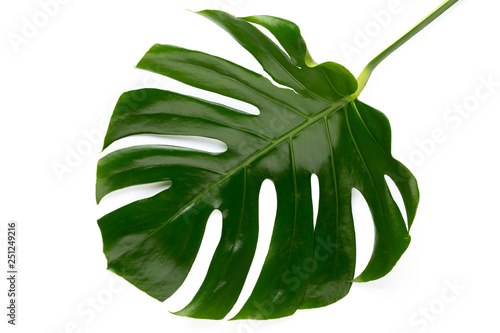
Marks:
<point>367,71</point>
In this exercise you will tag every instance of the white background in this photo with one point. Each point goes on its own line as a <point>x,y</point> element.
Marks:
<point>63,80</point>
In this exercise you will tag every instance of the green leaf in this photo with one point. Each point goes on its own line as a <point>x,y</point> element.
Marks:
<point>317,126</point>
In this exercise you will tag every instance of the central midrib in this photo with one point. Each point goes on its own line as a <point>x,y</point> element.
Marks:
<point>274,143</point>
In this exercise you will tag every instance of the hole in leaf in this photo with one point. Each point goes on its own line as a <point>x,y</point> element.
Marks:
<point>194,142</point>
<point>196,275</point>
<point>122,197</point>
<point>230,102</point>
<point>315,196</point>
<point>364,229</point>
<point>396,196</point>
<point>153,80</point>
<point>271,37</point>
<point>267,76</point>
<point>267,214</point>
<point>185,89</point>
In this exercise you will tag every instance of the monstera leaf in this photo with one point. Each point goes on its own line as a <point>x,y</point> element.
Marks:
<point>315,126</point>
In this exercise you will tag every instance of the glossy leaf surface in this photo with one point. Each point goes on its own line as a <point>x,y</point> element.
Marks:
<point>316,126</point>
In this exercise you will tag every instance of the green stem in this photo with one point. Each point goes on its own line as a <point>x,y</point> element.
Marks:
<point>367,71</point>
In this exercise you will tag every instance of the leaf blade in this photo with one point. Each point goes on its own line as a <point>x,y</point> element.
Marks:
<point>319,129</point>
